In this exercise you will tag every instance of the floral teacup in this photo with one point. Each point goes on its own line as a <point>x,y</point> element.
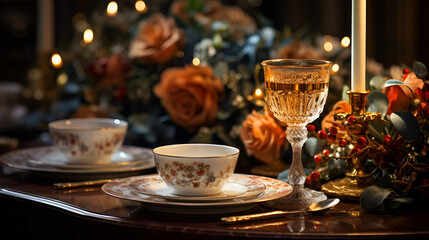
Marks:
<point>88,140</point>
<point>195,169</point>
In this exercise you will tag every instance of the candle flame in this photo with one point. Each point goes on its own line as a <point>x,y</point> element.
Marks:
<point>141,6</point>
<point>112,9</point>
<point>345,42</point>
<point>56,60</point>
<point>88,36</point>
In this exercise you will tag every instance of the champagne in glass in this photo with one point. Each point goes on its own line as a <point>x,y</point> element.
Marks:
<point>296,92</point>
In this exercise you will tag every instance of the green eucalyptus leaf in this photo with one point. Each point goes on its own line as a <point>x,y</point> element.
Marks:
<point>195,5</point>
<point>420,69</point>
<point>314,145</point>
<point>221,69</point>
<point>394,82</point>
<point>372,198</point>
<point>224,114</point>
<point>376,129</point>
<point>204,135</point>
<point>397,204</point>
<point>217,41</point>
<point>336,168</point>
<point>378,102</point>
<point>345,96</point>
<point>377,82</point>
<point>406,124</point>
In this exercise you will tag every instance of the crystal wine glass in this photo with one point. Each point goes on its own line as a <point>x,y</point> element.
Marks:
<point>296,91</point>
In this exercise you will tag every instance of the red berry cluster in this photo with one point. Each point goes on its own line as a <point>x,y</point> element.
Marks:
<point>313,177</point>
<point>389,142</point>
<point>360,143</point>
<point>331,137</point>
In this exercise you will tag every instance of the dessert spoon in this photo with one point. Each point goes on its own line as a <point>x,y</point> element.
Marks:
<point>313,208</point>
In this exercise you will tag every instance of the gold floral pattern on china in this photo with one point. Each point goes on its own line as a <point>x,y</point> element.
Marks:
<point>196,174</point>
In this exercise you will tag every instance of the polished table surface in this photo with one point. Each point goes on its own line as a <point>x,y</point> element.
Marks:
<point>31,207</point>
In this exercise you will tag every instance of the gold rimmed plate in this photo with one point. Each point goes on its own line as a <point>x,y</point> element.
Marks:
<point>120,188</point>
<point>20,159</point>
<point>238,186</point>
<point>126,156</point>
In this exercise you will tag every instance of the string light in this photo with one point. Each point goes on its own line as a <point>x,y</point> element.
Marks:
<point>141,6</point>
<point>335,68</point>
<point>328,46</point>
<point>62,79</point>
<point>56,60</point>
<point>112,9</point>
<point>196,61</point>
<point>38,95</point>
<point>88,36</point>
<point>258,93</point>
<point>345,42</point>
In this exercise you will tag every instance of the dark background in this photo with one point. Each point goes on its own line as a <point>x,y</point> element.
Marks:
<point>397,30</point>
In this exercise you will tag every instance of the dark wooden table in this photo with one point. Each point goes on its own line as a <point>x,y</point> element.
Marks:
<point>31,208</point>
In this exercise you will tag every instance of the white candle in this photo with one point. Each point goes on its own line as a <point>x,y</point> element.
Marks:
<point>45,26</point>
<point>358,45</point>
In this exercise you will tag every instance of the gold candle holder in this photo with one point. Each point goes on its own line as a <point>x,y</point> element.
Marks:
<point>350,187</point>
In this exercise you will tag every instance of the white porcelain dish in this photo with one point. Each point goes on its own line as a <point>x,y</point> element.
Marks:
<point>120,188</point>
<point>237,187</point>
<point>20,159</point>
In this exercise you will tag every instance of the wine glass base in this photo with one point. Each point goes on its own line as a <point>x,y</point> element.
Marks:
<point>299,199</point>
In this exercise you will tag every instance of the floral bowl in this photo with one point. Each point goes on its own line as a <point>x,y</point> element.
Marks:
<point>88,140</point>
<point>195,169</point>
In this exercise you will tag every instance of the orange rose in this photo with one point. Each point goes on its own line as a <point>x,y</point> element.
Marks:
<point>190,95</point>
<point>157,41</point>
<point>298,50</point>
<point>262,137</point>
<point>400,96</point>
<point>328,121</point>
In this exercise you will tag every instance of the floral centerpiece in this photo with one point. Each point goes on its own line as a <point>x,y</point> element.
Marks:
<point>395,150</point>
<point>191,74</point>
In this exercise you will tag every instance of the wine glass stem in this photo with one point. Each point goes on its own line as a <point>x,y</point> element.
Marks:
<point>297,136</point>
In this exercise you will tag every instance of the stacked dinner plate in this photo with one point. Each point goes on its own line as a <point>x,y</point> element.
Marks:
<point>49,162</point>
<point>242,192</point>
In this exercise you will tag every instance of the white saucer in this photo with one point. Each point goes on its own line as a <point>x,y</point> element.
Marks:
<point>53,158</point>
<point>237,187</point>
<point>20,159</point>
<point>275,189</point>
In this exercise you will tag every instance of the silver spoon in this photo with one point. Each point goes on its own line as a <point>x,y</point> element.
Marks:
<point>315,207</point>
